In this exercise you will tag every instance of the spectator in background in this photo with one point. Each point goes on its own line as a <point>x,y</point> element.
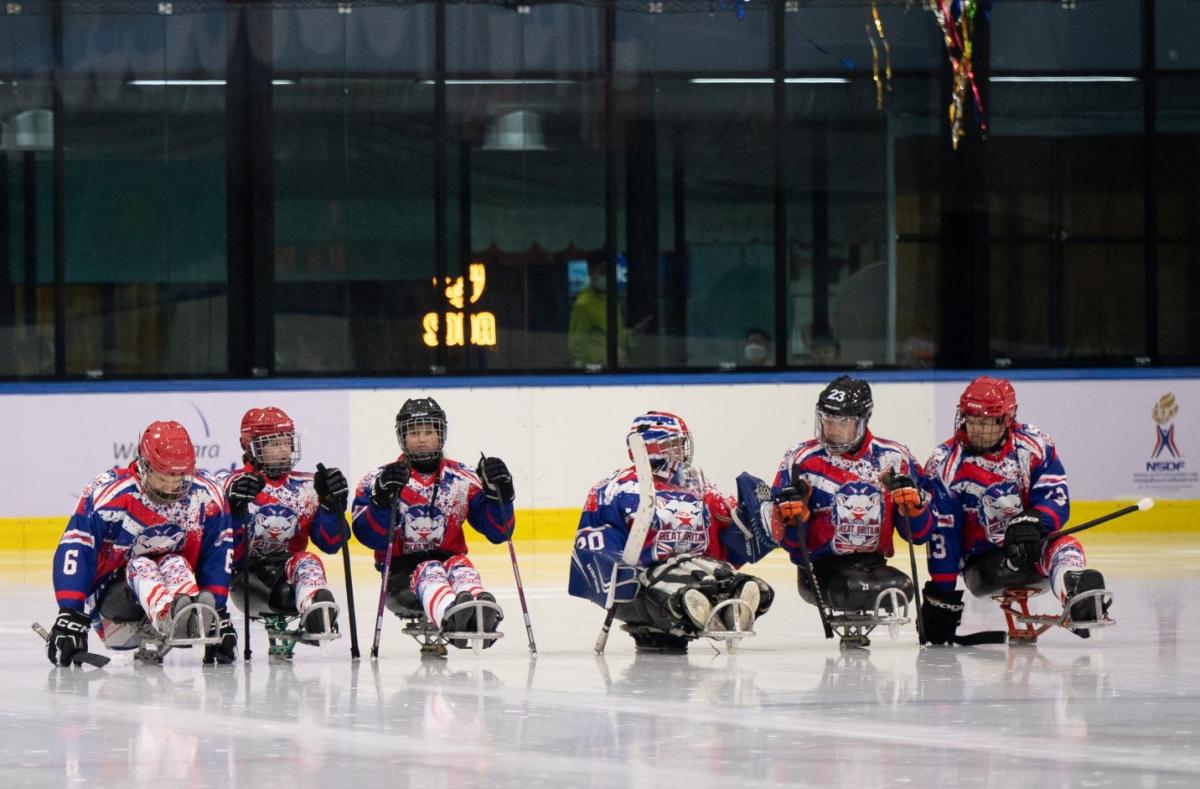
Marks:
<point>588,329</point>
<point>757,349</point>
<point>825,350</point>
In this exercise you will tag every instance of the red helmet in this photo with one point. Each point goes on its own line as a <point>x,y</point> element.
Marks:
<point>986,396</point>
<point>166,450</point>
<point>266,427</point>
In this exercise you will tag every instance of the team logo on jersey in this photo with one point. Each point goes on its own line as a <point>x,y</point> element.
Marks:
<point>997,504</point>
<point>156,540</point>
<point>857,517</point>
<point>273,524</point>
<point>422,532</point>
<point>682,527</point>
<point>1163,412</point>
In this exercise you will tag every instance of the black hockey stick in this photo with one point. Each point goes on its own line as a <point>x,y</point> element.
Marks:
<point>1141,505</point>
<point>812,576</point>
<point>912,558</point>
<point>91,658</point>
<point>246,590</point>
<point>354,655</point>
<point>387,569</point>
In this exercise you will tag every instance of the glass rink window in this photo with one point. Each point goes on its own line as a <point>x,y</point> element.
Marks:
<point>210,189</point>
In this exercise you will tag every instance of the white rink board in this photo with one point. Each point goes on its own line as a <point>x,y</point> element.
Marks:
<point>559,440</point>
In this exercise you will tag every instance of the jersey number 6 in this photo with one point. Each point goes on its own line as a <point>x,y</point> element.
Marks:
<point>70,561</point>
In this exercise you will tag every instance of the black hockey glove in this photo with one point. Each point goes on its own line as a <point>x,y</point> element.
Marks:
<point>625,585</point>
<point>332,490</point>
<point>68,636</point>
<point>941,613</point>
<point>226,651</point>
<point>1023,540</point>
<point>244,489</point>
<point>388,483</point>
<point>497,481</point>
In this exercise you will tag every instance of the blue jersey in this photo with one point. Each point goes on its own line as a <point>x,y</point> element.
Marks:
<point>851,509</point>
<point>116,521</point>
<point>433,509</point>
<point>283,518</point>
<point>978,493</point>
<point>690,517</point>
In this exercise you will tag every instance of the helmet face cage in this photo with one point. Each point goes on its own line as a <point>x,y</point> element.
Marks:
<point>162,486</point>
<point>990,404</point>
<point>668,442</point>
<point>839,447</point>
<point>276,454</point>
<point>421,422</point>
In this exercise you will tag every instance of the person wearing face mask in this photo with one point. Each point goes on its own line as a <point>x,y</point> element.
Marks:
<point>756,349</point>
<point>433,497</point>
<point>587,332</point>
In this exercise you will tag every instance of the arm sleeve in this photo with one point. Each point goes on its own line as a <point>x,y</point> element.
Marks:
<point>945,537</point>
<point>75,557</point>
<point>921,525</point>
<point>216,552</point>
<point>492,519</point>
<point>1048,491</point>
<point>370,523</point>
<point>327,530</point>
<point>599,541</point>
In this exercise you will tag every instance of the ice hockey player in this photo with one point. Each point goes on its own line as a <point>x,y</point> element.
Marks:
<point>145,541</point>
<point>1004,491</point>
<point>842,491</point>
<point>434,497</point>
<point>284,509</point>
<point>689,563</point>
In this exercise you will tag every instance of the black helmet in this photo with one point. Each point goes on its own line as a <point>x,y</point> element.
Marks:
<point>420,412</point>
<point>844,398</point>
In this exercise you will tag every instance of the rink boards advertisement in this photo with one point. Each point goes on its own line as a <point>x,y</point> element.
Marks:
<point>1118,439</point>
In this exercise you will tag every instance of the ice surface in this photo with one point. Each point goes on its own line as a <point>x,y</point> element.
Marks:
<point>789,708</point>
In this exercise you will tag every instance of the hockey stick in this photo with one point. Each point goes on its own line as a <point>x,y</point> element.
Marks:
<point>354,655</point>
<point>512,554</point>
<point>912,558</point>
<point>387,569</point>
<point>637,532</point>
<point>246,591</point>
<point>1141,505</point>
<point>802,532</point>
<point>812,576</point>
<point>91,658</point>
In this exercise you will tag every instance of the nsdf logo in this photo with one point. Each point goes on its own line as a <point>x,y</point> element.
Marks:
<point>207,449</point>
<point>1163,412</point>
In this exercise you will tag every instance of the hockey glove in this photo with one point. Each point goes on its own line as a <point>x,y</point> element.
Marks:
<point>625,583</point>
<point>244,489</point>
<point>1023,540</point>
<point>388,483</point>
<point>941,613</point>
<point>793,502</point>
<point>226,651</point>
<point>332,490</point>
<point>497,481</point>
<point>68,636</point>
<point>909,501</point>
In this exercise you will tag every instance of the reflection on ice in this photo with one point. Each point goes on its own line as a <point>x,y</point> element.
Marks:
<point>789,707</point>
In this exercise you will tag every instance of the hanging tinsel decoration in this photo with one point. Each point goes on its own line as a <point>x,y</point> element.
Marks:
<point>957,22</point>
<point>875,29</point>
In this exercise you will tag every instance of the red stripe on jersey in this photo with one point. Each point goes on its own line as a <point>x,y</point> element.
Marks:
<point>67,594</point>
